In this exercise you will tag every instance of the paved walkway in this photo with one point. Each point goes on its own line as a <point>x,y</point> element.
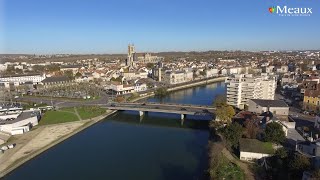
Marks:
<point>77,113</point>
<point>249,175</point>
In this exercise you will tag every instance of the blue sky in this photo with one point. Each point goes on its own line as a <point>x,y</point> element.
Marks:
<point>107,26</point>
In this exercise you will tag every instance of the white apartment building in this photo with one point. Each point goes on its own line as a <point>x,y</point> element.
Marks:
<point>212,73</point>
<point>119,89</point>
<point>242,87</point>
<point>177,77</point>
<point>134,75</point>
<point>140,87</point>
<point>17,80</point>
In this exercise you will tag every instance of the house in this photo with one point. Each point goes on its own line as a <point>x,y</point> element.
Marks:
<point>73,68</point>
<point>17,80</point>
<point>119,89</point>
<point>277,107</point>
<point>56,81</point>
<point>252,149</point>
<point>212,73</point>
<point>289,128</point>
<point>310,150</point>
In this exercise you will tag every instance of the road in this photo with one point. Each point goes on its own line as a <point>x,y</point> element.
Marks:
<point>165,108</point>
<point>300,118</point>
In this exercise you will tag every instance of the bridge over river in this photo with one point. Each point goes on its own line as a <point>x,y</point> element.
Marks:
<point>183,109</point>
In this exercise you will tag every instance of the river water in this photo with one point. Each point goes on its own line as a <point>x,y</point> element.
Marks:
<point>125,146</point>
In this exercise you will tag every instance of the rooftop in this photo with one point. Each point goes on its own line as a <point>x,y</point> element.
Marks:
<point>254,145</point>
<point>269,103</point>
<point>22,116</point>
<point>56,79</point>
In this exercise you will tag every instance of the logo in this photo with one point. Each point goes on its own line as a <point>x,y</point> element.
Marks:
<point>271,9</point>
<point>290,11</point>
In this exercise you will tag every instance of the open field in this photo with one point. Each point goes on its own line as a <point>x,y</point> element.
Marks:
<point>55,117</point>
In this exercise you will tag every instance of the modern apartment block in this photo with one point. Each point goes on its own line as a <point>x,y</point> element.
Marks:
<point>242,87</point>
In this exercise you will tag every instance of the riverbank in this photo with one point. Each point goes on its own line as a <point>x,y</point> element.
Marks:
<point>40,139</point>
<point>184,86</point>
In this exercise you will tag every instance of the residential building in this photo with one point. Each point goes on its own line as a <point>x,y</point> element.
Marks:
<point>135,75</point>
<point>73,68</point>
<point>118,89</point>
<point>311,98</point>
<point>17,80</point>
<point>242,87</point>
<point>310,150</point>
<point>253,149</point>
<point>140,87</point>
<point>212,72</point>
<point>56,81</point>
<point>177,77</point>
<point>277,107</point>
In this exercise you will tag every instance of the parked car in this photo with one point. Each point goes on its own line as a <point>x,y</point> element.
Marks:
<point>183,109</point>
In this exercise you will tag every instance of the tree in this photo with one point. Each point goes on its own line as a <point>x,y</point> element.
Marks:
<point>219,101</point>
<point>161,92</point>
<point>232,133</point>
<point>69,74</point>
<point>282,153</point>
<point>274,133</point>
<point>150,65</point>
<point>78,74</point>
<point>203,73</point>
<point>316,174</point>
<point>251,128</point>
<point>225,113</point>
<point>299,163</point>
<point>119,99</point>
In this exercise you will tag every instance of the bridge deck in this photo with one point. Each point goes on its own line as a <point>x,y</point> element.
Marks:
<point>164,108</point>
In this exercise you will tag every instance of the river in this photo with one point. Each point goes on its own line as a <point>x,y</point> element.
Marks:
<point>124,146</point>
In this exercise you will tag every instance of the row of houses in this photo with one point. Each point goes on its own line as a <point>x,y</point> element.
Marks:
<point>33,80</point>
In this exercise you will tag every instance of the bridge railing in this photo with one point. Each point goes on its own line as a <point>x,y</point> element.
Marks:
<point>168,104</point>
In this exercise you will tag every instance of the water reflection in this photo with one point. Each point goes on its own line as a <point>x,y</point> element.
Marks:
<point>126,146</point>
<point>202,95</point>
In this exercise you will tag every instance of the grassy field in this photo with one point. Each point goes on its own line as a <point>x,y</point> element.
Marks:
<point>54,117</point>
<point>69,114</point>
<point>87,112</point>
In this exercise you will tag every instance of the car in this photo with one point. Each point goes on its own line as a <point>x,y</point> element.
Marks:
<point>143,104</point>
<point>156,107</point>
<point>183,109</point>
<point>113,105</point>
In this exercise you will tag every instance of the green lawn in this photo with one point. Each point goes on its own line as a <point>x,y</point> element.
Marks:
<point>54,117</point>
<point>87,112</point>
